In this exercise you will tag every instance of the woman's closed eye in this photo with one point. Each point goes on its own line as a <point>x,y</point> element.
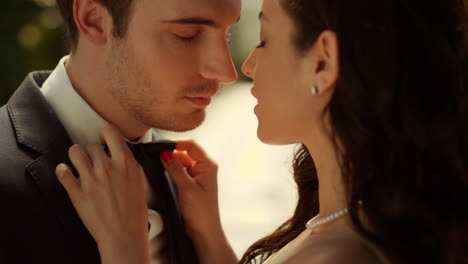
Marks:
<point>261,45</point>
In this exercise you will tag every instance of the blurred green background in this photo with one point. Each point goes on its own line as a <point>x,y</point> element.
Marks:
<point>32,38</point>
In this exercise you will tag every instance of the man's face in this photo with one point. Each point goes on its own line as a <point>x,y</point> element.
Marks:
<point>172,60</point>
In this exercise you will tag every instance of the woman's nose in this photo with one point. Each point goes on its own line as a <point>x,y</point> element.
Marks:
<point>248,67</point>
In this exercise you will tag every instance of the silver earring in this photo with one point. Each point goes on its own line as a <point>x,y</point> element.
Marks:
<point>314,90</point>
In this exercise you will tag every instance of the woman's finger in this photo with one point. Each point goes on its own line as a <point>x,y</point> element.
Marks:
<point>175,168</point>
<point>186,161</point>
<point>99,158</point>
<point>184,158</point>
<point>81,161</point>
<point>193,150</point>
<point>96,151</point>
<point>68,181</point>
<point>118,149</point>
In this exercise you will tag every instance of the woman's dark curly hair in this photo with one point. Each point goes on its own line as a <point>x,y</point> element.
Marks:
<point>399,113</point>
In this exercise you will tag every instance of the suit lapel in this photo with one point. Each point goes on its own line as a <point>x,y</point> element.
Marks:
<point>38,129</point>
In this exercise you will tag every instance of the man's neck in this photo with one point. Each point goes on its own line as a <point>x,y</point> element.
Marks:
<point>88,81</point>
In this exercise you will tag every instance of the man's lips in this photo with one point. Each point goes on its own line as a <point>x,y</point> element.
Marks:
<point>200,101</point>
<point>203,98</point>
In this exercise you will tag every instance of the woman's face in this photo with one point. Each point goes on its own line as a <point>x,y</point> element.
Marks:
<point>282,80</point>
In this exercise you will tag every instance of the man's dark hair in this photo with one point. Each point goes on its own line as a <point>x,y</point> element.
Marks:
<point>120,10</point>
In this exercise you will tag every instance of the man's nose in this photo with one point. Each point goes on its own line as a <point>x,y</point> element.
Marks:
<point>219,66</point>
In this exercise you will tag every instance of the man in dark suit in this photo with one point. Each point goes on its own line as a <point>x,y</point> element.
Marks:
<point>138,64</point>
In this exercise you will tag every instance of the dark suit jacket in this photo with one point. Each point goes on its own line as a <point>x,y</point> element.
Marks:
<point>38,223</point>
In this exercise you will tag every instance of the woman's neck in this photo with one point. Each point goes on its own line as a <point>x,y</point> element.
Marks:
<point>331,188</point>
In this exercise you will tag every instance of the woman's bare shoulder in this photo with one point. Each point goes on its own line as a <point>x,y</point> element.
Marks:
<point>333,250</point>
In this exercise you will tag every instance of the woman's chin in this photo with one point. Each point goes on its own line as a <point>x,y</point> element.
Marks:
<point>262,136</point>
<point>271,138</point>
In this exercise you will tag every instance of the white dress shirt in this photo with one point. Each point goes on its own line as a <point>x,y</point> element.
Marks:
<point>83,125</point>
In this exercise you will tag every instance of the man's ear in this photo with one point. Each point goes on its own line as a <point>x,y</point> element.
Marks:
<point>326,63</point>
<point>92,20</point>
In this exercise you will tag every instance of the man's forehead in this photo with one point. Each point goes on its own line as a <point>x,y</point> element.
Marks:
<point>211,9</point>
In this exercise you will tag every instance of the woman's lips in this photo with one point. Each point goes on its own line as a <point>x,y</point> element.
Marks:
<point>200,101</point>
<point>252,92</point>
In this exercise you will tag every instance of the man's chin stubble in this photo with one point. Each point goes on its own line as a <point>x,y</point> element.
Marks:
<point>180,124</point>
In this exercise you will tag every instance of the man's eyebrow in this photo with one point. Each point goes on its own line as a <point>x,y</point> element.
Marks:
<point>192,20</point>
<point>195,21</point>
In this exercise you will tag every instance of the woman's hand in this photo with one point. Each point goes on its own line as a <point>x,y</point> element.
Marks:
<point>195,175</point>
<point>109,196</point>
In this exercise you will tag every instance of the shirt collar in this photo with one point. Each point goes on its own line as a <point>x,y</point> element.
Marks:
<point>81,122</point>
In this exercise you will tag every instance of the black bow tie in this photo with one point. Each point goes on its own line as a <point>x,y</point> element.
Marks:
<point>151,150</point>
<point>179,246</point>
<point>148,155</point>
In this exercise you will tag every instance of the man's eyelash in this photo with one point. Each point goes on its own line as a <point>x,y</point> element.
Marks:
<point>187,40</point>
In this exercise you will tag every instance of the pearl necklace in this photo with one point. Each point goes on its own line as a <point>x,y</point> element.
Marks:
<point>314,223</point>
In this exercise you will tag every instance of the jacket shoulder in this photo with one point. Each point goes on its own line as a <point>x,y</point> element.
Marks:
<point>13,157</point>
<point>8,138</point>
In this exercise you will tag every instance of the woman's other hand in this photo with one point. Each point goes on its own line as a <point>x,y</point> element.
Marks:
<point>195,175</point>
